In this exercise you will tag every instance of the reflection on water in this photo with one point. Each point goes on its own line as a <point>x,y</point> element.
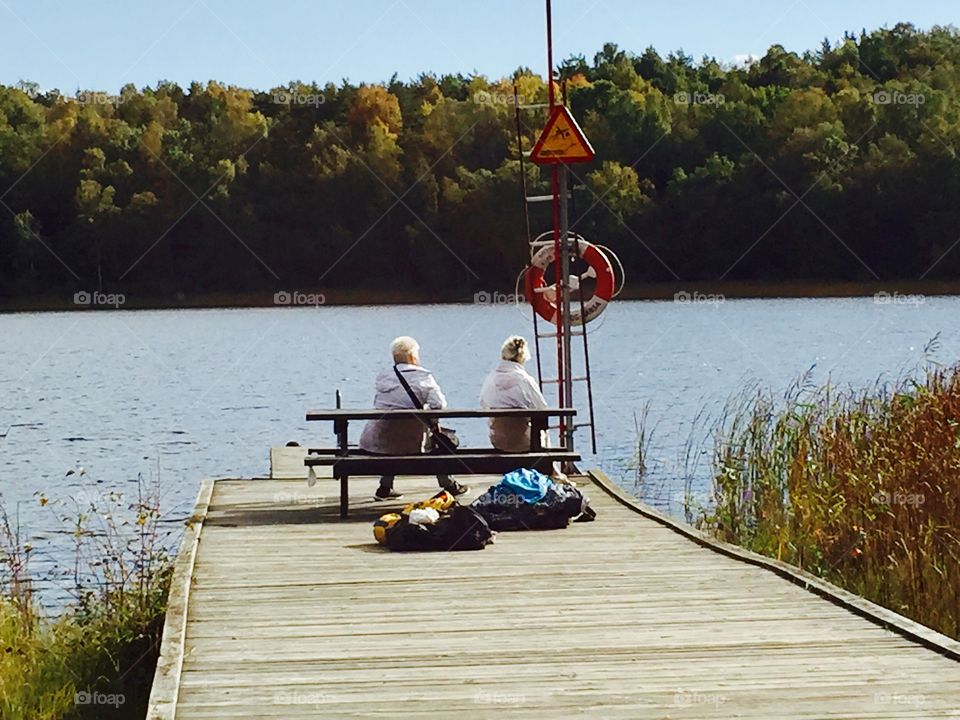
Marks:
<point>205,393</point>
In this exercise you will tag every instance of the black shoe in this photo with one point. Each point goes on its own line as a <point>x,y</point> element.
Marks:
<point>390,494</point>
<point>456,489</point>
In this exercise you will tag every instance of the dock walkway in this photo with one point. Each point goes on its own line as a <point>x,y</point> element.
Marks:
<point>279,609</point>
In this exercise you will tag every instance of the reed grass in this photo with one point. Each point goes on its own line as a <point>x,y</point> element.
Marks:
<point>860,487</point>
<point>96,657</point>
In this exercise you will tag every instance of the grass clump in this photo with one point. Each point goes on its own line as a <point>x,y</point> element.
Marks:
<point>96,657</point>
<point>860,487</point>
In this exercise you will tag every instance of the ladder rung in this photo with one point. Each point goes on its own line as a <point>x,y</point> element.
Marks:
<point>549,241</point>
<point>552,381</point>
<point>570,427</point>
<point>541,198</point>
<point>573,333</point>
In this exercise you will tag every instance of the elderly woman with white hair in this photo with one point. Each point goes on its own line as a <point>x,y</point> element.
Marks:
<point>404,437</point>
<point>509,385</point>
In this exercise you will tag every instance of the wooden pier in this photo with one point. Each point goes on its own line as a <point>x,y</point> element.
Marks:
<point>279,609</point>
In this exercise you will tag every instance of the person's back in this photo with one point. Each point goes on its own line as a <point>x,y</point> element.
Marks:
<point>401,437</point>
<point>508,386</point>
<point>404,437</point>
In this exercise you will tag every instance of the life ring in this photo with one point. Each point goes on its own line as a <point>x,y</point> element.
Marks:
<point>543,297</point>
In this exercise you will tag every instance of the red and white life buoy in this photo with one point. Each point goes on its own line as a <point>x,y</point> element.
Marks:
<point>544,298</point>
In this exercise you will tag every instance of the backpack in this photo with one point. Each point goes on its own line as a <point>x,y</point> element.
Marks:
<point>507,509</point>
<point>458,528</point>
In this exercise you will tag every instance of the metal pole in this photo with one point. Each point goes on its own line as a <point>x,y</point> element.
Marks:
<point>550,55</point>
<point>558,283</point>
<point>565,303</point>
<point>558,251</point>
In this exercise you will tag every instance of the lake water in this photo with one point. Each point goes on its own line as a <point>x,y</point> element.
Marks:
<point>191,394</point>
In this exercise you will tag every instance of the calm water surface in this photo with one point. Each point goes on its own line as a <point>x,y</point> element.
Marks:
<point>206,393</point>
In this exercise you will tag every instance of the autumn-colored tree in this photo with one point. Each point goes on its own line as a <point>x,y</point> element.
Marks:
<point>699,173</point>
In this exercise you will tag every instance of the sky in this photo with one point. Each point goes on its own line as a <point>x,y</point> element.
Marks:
<point>105,44</point>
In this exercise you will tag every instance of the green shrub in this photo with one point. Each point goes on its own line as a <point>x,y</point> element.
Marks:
<point>97,658</point>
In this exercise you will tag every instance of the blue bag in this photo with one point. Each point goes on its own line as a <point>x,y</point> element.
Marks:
<point>530,486</point>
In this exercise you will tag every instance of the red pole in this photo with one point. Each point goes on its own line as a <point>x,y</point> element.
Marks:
<point>555,182</point>
<point>550,55</point>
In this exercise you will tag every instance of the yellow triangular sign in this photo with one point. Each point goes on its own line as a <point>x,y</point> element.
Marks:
<point>562,140</point>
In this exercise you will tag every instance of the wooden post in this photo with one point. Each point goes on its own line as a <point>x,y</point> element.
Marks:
<point>340,428</point>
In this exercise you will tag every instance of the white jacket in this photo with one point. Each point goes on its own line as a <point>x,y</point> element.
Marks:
<point>510,386</point>
<point>401,437</point>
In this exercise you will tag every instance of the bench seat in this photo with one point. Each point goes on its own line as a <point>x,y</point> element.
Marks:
<point>348,460</point>
<point>460,463</point>
<point>355,451</point>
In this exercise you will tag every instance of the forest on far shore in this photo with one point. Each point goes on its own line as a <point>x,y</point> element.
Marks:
<point>837,165</point>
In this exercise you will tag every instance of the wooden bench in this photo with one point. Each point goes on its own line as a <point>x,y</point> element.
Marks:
<point>347,460</point>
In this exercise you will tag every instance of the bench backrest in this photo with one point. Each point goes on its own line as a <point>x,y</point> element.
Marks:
<point>374,414</point>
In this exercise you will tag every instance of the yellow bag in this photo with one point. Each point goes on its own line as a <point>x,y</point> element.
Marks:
<point>383,525</point>
<point>443,500</point>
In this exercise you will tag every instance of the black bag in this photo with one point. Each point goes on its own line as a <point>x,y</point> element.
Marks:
<point>459,528</point>
<point>554,511</point>
<point>443,441</point>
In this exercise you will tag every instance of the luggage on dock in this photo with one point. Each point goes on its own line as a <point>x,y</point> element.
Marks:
<point>529,500</point>
<point>437,524</point>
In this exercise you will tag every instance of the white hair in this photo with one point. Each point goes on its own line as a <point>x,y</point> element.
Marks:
<point>404,348</point>
<point>515,348</point>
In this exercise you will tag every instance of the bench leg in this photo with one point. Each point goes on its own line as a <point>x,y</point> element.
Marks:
<point>344,497</point>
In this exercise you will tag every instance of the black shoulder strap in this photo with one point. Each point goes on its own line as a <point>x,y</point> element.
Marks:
<point>406,386</point>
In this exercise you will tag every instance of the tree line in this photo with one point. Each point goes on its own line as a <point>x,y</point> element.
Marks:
<point>838,164</point>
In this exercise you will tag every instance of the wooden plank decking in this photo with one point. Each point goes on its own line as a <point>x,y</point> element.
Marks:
<point>293,613</point>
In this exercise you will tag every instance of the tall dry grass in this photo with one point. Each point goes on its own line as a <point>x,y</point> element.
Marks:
<point>95,658</point>
<point>860,487</point>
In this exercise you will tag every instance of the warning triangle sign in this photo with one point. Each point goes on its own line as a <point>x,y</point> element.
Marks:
<point>562,140</point>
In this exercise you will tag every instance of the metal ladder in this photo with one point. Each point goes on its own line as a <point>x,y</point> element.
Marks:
<point>582,379</point>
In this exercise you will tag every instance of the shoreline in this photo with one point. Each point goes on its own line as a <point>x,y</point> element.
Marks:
<point>679,292</point>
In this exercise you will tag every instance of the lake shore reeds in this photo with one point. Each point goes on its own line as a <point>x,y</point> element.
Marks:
<point>860,487</point>
<point>94,657</point>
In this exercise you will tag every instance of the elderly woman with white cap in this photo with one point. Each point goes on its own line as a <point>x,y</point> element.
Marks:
<point>509,385</point>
